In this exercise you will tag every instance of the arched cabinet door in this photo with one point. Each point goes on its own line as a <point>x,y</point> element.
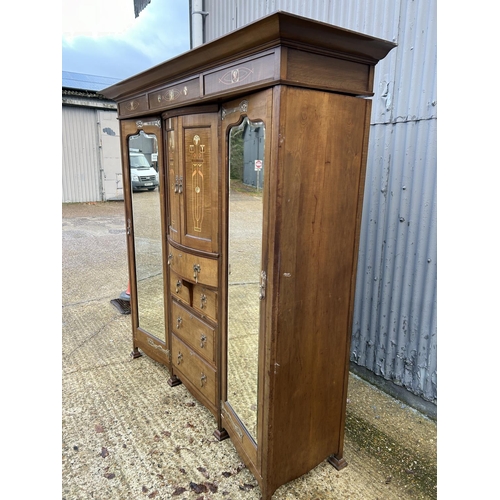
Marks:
<point>143,175</point>
<point>192,177</point>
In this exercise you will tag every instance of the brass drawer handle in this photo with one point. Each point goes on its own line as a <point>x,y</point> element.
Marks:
<point>179,358</point>
<point>197,270</point>
<point>203,301</point>
<point>203,379</point>
<point>203,340</point>
<point>179,322</point>
<point>178,286</point>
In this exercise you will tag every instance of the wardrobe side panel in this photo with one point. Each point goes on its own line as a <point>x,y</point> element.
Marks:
<point>320,168</point>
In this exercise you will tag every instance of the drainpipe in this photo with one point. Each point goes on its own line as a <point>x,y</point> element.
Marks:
<point>197,23</point>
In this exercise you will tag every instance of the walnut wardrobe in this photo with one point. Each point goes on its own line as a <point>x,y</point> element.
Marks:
<point>243,262</point>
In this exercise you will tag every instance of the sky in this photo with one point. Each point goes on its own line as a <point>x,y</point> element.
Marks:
<point>104,38</point>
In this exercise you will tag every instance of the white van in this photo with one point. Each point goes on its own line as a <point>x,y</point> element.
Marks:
<point>142,174</point>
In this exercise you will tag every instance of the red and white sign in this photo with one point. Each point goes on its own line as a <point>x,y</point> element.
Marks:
<point>258,165</point>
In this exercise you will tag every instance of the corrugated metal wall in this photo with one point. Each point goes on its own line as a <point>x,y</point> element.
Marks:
<point>394,329</point>
<point>395,325</point>
<point>81,173</point>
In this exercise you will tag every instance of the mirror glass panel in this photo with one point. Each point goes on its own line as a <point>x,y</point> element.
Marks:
<point>246,174</point>
<point>145,189</point>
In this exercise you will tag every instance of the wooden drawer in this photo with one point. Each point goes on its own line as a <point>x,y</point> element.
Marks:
<point>244,72</point>
<point>205,301</point>
<point>136,105</point>
<point>174,94</point>
<point>194,331</point>
<point>180,288</point>
<point>198,373</point>
<point>193,268</point>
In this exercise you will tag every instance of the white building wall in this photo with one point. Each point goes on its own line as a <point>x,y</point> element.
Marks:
<point>80,155</point>
<point>91,162</point>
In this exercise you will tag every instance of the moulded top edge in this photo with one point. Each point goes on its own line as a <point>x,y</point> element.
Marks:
<point>274,29</point>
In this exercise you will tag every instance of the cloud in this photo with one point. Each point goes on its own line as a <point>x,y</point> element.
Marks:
<point>159,33</point>
<point>107,56</point>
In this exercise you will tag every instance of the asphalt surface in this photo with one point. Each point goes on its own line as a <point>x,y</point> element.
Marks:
<point>127,435</point>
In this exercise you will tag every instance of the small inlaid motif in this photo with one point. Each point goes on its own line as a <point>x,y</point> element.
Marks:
<point>132,105</point>
<point>156,346</point>
<point>197,152</point>
<point>235,76</point>
<point>172,94</point>
<point>242,108</point>
<point>154,123</point>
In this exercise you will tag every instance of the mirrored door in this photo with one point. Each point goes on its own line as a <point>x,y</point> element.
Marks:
<point>143,176</point>
<point>247,152</point>
<point>245,219</point>
<point>146,210</point>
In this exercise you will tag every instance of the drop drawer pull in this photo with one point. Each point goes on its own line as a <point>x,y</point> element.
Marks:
<point>197,270</point>
<point>203,299</point>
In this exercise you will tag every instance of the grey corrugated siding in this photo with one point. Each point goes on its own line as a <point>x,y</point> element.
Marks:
<point>80,155</point>
<point>373,17</point>
<point>394,328</point>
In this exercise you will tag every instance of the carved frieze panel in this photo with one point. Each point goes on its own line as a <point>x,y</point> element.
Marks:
<point>173,94</point>
<point>241,74</point>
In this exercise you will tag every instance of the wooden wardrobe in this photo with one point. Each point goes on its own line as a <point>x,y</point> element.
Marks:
<point>243,262</point>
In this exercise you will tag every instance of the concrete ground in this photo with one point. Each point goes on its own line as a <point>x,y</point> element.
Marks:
<point>127,435</point>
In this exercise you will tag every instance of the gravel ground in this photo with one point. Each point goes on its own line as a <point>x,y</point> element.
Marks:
<point>127,435</point>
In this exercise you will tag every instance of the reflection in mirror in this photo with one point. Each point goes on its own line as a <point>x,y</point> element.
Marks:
<point>144,179</point>
<point>246,158</point>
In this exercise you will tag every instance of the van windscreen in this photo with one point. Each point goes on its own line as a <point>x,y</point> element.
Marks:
<point>138,161</point>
